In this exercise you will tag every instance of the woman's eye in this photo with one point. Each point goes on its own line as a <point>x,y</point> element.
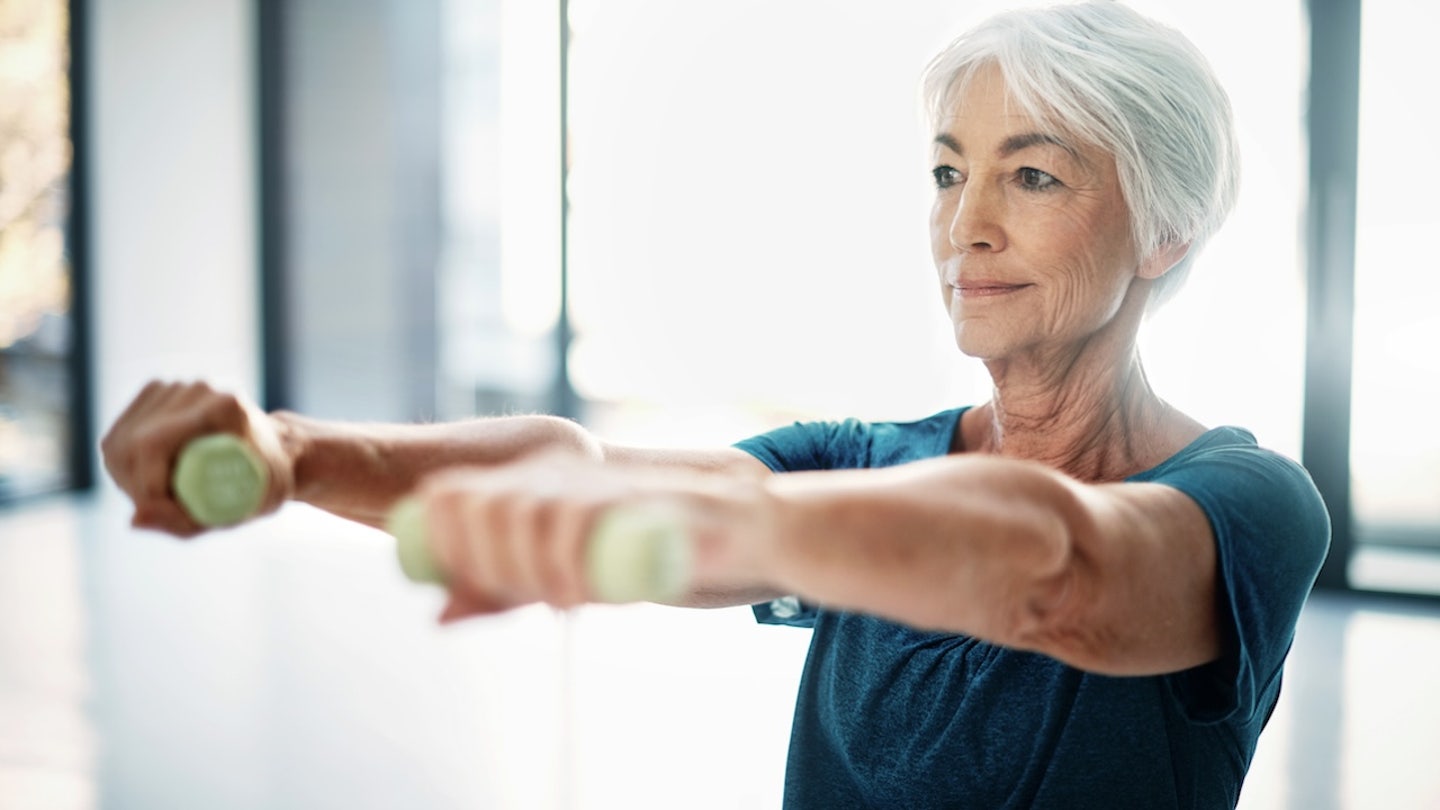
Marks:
<point>946,176</point>
<point>1036,180</point>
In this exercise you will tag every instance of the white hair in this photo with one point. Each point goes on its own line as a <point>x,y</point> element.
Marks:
<point>1140,90</point>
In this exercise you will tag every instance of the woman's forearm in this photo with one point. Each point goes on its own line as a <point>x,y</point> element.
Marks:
<point>979,545</point>
<point>359,470</point>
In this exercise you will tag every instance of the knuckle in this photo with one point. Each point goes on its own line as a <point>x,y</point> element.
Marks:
<point>225,410</point>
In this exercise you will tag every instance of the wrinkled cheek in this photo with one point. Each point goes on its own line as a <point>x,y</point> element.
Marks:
<point>1082,306</point>
<point>1062,308</point>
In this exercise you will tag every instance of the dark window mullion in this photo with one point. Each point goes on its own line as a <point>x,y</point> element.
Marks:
<point>81,455</point>
<point>276,343</point>
<point>1332,127</point>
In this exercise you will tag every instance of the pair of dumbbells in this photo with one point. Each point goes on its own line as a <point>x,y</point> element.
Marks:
<point>635,554</point>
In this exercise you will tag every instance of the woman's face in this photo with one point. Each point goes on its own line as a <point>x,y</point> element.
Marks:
<point>1030,232</point>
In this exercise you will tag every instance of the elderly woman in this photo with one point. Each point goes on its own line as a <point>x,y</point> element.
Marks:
<point>1070,596</point>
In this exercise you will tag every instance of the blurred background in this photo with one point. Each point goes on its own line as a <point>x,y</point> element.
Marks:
<point>363,210</point>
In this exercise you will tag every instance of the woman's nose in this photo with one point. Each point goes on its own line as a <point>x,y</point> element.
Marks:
<point>976,224</point>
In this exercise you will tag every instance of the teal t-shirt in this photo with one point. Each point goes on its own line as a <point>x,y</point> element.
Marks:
<point>888,716</point>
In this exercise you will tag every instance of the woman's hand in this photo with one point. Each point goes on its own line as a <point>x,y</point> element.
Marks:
<point>517,534</point>
<point>141,448</point>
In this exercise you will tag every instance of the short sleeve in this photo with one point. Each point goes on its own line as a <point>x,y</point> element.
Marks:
<point>1272,533</point>
<point>850,444</point>
<point>812,446</point>
<point>795,448</point>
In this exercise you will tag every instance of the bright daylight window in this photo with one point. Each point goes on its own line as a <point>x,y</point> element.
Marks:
<point>35,274</point>
<point>1395,442</point>
<point>749,243</point>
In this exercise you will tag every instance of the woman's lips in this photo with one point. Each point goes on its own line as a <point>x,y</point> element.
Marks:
<point>986,289</point>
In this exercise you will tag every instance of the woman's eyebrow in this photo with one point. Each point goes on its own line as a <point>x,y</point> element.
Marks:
<point>1016,143</point>
<point>949,143</point>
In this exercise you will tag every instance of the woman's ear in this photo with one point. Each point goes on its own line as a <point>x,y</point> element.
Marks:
<point>1165,257</point>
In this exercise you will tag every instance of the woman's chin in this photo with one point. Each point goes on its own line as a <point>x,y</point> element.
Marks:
<point>979,343</point>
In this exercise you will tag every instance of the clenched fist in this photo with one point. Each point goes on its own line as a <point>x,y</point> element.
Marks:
<point>140,449</point>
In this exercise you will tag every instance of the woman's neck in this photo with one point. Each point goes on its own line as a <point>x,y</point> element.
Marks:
<point>1087,410</point>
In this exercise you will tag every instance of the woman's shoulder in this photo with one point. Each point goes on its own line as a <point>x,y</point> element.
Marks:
<point>852,443</point>
<point>1208,443</point>
<point>1228,452</point>
<point>899,442</point>
<point>1232,476</point>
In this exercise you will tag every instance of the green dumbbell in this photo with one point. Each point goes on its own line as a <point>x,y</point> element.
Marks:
<point>636,553</point>
<point>219,480</point>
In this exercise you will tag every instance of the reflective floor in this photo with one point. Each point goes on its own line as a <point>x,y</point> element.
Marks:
<point>289,665</point>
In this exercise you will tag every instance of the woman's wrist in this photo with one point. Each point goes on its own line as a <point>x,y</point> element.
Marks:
<point>293,443</point>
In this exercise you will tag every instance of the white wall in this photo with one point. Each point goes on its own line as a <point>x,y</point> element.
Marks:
<point>173,195</point>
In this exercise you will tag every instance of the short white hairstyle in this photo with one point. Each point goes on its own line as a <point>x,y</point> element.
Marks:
<point>1113,78</point>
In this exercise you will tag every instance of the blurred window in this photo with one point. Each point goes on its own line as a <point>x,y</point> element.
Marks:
<point>1395,439</point>
<point>499,270</point>
<point>749,204</point>
<point>37,364</point>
